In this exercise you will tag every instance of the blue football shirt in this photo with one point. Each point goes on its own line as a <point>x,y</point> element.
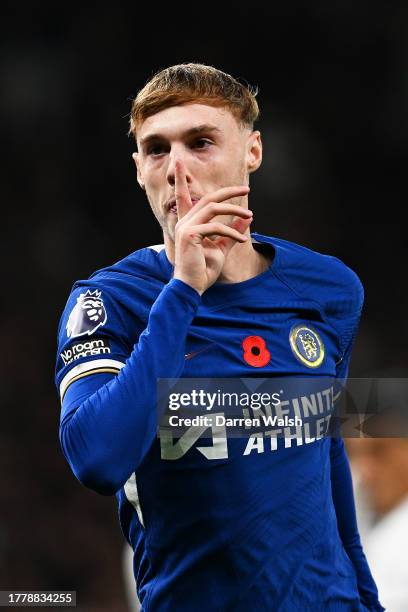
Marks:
<point>216,523</point>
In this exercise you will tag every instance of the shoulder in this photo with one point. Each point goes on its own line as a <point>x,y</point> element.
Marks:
<point>315,276</point>
<point>105,314</point>
<point>140,274</point>
<point>144,264</point>
<point>127,287</point>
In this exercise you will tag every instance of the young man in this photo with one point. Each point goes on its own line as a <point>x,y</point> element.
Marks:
<point>215,524</point>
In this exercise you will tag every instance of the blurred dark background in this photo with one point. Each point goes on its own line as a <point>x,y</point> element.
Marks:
<point>333,92</point>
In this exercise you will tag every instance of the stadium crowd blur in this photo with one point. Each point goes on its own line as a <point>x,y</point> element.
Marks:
<point>333,97</point>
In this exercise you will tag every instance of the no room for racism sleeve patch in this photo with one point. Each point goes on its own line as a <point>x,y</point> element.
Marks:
<point>85,348</point>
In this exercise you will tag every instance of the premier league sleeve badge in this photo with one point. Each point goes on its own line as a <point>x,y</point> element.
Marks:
<point>87,315</point>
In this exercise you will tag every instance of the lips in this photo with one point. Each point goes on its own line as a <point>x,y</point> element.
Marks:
<point>172,206</point>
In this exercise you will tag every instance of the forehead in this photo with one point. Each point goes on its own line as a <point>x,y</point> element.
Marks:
<point>172,122</point>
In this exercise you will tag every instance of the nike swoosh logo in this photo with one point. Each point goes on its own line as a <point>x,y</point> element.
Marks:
<point>194,353</point>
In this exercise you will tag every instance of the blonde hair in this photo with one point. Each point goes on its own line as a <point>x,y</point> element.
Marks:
<point>194,83</point>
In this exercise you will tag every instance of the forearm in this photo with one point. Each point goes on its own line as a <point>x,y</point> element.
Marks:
<point>106,437</point>
<point>343,498</point>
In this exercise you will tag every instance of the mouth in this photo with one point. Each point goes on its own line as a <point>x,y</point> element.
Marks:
<point>171,206</point>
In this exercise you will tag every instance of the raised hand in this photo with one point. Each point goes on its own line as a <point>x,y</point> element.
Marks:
<point>201,245</point>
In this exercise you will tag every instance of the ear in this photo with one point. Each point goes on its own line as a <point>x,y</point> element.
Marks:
<point>136,159</point>
<point>254,151</point>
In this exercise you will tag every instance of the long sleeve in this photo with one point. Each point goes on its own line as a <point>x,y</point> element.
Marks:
<point>106,433</point>
<point>343,498</point>
<point>342,484</point>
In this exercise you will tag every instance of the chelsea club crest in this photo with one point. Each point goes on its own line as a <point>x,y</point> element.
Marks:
<point>307,346</point>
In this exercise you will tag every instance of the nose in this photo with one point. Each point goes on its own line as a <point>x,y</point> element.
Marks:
<point>171,169</point>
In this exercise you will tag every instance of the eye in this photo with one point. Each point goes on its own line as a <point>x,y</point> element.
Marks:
<point>155,149</point>
<point>202,143</point>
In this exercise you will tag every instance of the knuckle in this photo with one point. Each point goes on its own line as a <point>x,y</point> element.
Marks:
<point>186,233</point>
<point>179,230</point>
<point>212,207</point>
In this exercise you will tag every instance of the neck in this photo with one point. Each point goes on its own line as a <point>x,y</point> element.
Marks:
<point>242,262</point>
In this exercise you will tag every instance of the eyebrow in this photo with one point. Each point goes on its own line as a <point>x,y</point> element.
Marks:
<point>198,129</point>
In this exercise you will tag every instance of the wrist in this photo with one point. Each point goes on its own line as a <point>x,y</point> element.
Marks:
<point>178,277</point>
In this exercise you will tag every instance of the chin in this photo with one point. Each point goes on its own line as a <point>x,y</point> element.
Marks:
<point>169,231</point>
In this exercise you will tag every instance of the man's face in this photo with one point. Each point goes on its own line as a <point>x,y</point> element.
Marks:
<point>215,150</point>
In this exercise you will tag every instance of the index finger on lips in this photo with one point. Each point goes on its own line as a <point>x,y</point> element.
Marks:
<point>181,192</point>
